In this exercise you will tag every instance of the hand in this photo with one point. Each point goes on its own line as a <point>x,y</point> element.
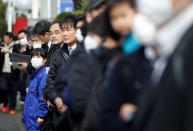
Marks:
<point>22,66</point>
<point>127,111</point>
<point>27,89</point>
<point>5,50</point>
<point>60,105</point>
<point>40,121</point>
<point>49,104</point>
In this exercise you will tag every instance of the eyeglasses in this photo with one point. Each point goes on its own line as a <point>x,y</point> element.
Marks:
<point>55,32</point>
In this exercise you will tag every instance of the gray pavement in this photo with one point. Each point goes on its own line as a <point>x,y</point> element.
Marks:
<point>12,122</point>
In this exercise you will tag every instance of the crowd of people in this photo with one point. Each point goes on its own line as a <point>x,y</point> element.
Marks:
<point>123,66</point>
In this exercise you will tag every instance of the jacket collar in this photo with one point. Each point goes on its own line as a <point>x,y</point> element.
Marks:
<point>38,70</point>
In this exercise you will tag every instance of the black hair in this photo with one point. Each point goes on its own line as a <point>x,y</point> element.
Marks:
<point>9,34</point>
<point>31,34</point>
<point>97,26</point>
<point>26,32</point>
<point>113,3</point>
<point>23,31</point>
<point>39,52</point>
<point>55,22</point>
<point>69,20</point>
<point>110,5</point>
<point>116,36</point>
<point>80,18</point>
<point>94,4</point>
<point>41,27</point>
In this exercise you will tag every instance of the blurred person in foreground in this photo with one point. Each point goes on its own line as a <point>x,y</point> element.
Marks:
<point>128,74</point>
<point>167,104</point>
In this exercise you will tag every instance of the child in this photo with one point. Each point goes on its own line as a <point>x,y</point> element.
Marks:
<point>35,108</point>
<point>128,75</point>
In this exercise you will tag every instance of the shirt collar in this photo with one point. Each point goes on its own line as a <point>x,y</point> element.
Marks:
<point>72,48</point>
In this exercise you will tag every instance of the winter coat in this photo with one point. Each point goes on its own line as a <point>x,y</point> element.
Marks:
<point>104,59</point>
<point>65,69</point>
<point>59,58</point>
<point>50,53</point>
<point>35,105</point>
<point>167,105</point>
<point>59,71</point>
<point>123,84</point>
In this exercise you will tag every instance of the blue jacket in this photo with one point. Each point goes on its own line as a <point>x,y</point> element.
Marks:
<point>35,105</point>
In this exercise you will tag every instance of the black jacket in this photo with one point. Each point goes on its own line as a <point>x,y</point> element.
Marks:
<point>123,85</point>
<point>82,75</point>
<point>50,52</point>
<point>59,58</point>
<point>167,106</point>
<point>103,59</point>
<point>64,71</point>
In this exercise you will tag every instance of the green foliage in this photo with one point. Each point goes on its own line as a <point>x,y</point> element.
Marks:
<point>3,25</point>
<point>84,5</point>
<point>62,15</point>
<point>81,7</point>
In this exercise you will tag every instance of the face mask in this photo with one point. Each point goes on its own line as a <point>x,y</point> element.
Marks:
<point>90,43</point>
<point>143,30</point>
<point>37,62</point>
<point>37,45</point>
<point>23,42</point>
<point>79,35</point>
<point>157,12</point>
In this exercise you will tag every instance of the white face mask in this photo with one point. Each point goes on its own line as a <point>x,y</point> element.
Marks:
<point>37,45</point>
<point>156,11</point>
<point>144,30</point>
<point>90,43</point>
<point>37,62</point>
<point>23,42</point>
<point>79,35</point>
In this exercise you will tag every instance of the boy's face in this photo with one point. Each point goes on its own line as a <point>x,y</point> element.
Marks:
<point>45,38</point>
<point>22,35</point>
<point>69,34</point>
<point>121,17</point>
<point>7,40</point>
<point>35,39</point>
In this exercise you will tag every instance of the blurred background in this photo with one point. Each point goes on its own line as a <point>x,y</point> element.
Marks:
<point>20,14</point>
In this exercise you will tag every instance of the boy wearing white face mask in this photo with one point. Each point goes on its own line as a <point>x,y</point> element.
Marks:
<point>36,42</point>
<point>35,108</point>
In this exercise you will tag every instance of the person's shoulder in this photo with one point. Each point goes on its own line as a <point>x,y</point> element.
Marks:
<point>42,72</point>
